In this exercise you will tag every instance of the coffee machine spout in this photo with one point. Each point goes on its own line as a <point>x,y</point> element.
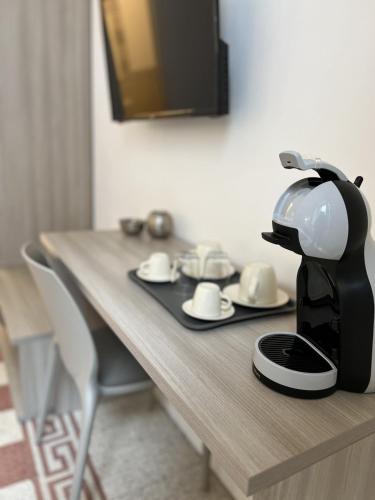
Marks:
<point>275,238</point>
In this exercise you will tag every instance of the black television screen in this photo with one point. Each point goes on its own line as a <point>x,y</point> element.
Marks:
<point>165,58</point>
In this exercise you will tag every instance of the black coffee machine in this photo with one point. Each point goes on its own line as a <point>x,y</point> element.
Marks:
<point>327,221</point>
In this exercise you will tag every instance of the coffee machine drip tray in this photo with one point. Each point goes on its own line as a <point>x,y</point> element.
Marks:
<point>290,364</point>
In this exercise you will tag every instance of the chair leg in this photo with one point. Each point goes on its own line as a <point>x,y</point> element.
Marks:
<point>88,414</point>
<point>46,396</point>
<point>206,469</point>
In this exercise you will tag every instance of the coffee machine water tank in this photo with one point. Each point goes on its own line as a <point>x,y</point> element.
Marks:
<point>319,215</point>
<point>326,220</point>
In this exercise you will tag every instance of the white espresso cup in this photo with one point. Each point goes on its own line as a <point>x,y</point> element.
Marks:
<point>258,285</point>
<point>158,266</point>
<point>209,301</point>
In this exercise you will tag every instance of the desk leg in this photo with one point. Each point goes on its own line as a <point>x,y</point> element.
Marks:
<point>206,469</point>
<point>345,475</point>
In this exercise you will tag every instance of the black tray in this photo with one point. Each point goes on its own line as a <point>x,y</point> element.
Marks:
<point>172,296</point>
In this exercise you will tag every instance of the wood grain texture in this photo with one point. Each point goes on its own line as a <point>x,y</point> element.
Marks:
<point>10,357</point>
<point>346,475</point>
<point>259,436</point>
<point>21,305</point>
<point>45,173</point>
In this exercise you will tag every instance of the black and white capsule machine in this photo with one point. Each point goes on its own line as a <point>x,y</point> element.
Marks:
<point>326,220</point>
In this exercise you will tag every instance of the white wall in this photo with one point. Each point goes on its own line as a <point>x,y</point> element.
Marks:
<point>302,77</point>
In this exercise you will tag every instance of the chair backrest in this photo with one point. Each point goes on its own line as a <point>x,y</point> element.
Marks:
<point>70,328</point>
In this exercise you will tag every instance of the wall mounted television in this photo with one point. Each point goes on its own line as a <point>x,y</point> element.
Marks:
<point>165,58</point>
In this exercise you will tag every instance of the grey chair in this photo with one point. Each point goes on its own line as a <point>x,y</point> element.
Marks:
<point>98,362</point>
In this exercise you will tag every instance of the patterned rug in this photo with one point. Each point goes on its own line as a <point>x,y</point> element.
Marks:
<point>135,454</point>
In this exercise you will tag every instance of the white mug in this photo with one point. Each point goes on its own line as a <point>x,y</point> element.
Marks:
<point>258,284</point>
<point>209,301</point>
<point>158,266</point>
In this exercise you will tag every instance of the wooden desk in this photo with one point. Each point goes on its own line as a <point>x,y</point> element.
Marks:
<point>262,439</point>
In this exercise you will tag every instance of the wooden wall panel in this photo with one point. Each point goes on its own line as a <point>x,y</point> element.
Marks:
<point>45,150</point>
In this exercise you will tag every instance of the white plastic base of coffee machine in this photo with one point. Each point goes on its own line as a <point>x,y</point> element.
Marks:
<point>288,363</point>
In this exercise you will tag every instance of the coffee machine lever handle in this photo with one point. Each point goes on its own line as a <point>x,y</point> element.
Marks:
<point>292,159</point>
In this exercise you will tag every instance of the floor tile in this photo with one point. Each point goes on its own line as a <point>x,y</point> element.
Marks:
<point>3,374</point>
<point>136,454</point>
<point>23,490</point>
<point>16,463</point>
<point>5,398</point>
<point>10,428</point>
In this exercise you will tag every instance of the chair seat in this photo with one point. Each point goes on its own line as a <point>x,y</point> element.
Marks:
<point>117,366</point>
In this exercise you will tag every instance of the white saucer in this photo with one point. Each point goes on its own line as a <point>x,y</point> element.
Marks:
<point>186,269</point>
<point>187,308</point>
<point>166,279</point>
<point>233,293</point>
